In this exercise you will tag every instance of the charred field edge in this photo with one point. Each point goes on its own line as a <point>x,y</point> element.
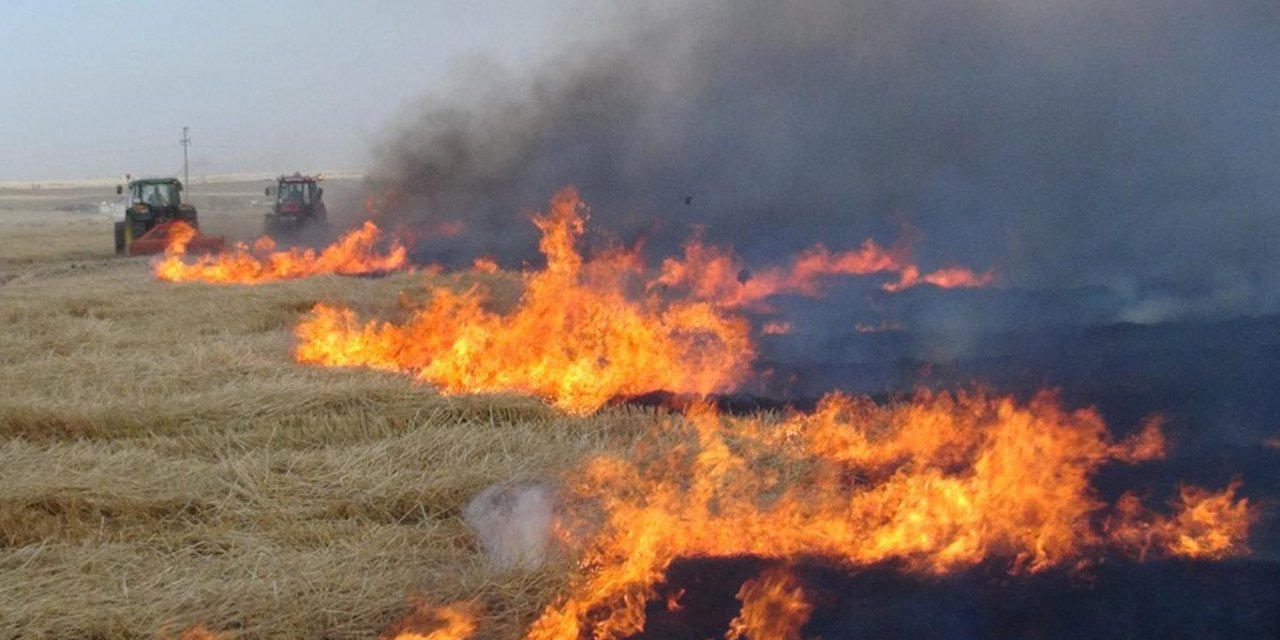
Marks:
<point>187,471</point>
<point>1116,599</point>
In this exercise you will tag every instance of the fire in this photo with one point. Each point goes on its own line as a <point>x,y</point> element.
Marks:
<point>198,632</point>
<point>673,600</point>
<point>776,328</point>
<point>452,622</point>
<point>773,606</point>
<point>1205,525</point>
<point>1208,525</point>
<point>574,337</point>
<point>933,485</point>
<point>353,253</point>
<point>484,265</point>
<point>950,278</point>
<point>711,273</point>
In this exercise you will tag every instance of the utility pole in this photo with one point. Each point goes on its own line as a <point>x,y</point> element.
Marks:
<point>186,142</point>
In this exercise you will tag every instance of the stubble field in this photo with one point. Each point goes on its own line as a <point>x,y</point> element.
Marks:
<point>165,464</point>
<point>167,470</point>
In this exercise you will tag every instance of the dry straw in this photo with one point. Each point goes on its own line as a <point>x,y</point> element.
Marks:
<point>165,464</point>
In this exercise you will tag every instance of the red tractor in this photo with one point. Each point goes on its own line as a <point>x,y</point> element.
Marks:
<point>298,204</point>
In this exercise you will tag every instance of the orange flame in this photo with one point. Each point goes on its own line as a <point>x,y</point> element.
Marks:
<point>180,235</point>
<point>452,622</point>
<point>773,606</point>
<point>574,337</point>
<point>353,253</point>
<point>1205,525</point>
<point>484,265</point>
<point>710,273</point>
<point>673,600</point>
<point>950,278</point>
<point>198,632</point>
<point>776,328</point>
<point>935,485</point>
<point>1209,525</point>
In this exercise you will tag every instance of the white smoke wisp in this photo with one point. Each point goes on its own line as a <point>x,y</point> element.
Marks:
<point>513,523</point>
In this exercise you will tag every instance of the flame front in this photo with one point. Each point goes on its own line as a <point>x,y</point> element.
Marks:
<point>574,337</point>
<point>773,607</point>
<point>934,485</point>
<point>711,273</point>
<point>484,265</point>
<point>451,622</point>
<point>354,253</point>
<point>1205,525</point>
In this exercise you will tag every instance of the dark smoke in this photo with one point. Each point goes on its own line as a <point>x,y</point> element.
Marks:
<point>1115,161</point>
<point>1131,146</point>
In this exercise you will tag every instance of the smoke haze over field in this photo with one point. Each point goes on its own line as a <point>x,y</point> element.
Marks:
<point>1086,143</point>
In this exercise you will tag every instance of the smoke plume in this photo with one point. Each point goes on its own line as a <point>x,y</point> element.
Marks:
<point>1123,145</point>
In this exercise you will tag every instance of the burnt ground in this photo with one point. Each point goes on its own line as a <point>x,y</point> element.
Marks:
<point>1170,599</point>
<point>1216,380</point>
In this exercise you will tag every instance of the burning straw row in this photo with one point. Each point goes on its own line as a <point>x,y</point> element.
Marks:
<point>186,473</point>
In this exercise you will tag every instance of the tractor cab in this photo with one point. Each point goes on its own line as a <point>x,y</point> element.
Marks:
<point>301,193</point>
<point>298,203</point>
<point>153,202</point>
<point>155,197</point>
<point>155,194</point>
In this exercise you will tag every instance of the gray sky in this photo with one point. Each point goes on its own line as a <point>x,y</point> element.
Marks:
<point>98,89</point>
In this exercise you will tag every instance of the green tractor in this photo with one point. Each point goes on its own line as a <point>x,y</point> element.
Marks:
<point>155,204</point>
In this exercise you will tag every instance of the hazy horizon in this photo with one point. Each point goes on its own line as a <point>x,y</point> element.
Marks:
<point>274,87</point>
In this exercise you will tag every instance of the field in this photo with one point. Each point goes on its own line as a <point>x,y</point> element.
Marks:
<point>166,464</point>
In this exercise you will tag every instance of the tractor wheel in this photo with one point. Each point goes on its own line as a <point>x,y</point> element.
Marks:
<point>120,248</point>
<point>127,232</point>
